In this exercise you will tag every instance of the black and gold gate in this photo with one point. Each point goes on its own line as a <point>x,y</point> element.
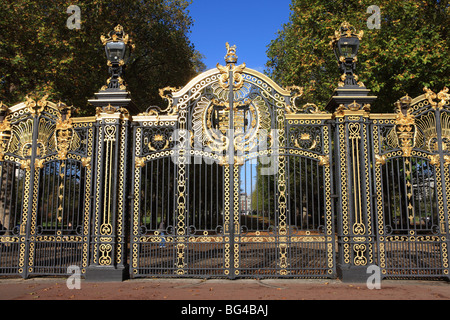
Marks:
<point>411,173</point>
<point>232,179</point>
<point>45,174</point>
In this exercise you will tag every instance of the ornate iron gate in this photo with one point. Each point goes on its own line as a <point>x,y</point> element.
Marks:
<point>45,173</point>
<point>411,173</point>
<point>231,180</point>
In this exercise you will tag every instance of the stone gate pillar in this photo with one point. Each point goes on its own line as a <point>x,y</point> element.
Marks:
<point>350,104</point>
<point>351,108</point>
<point>108,246</point>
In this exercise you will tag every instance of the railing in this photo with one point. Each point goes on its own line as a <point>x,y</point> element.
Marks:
<point>150,195</point>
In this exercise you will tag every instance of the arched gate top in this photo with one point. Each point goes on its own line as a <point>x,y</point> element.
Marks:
<point>205,75</point>
<point>242,80</point>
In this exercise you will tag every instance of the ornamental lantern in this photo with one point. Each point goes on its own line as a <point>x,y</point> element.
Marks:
<point>345,44</point>
<point>118,47</point>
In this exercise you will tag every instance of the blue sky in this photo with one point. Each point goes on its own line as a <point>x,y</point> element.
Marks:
<point>248,24</point>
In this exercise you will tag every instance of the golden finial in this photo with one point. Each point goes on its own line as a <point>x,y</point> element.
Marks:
<point>231,56</point>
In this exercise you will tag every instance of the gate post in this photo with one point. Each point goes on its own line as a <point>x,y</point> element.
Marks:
<point>354,206</point>
<point>108,247</point>
<point>350,104</point>
<point>29,197</point>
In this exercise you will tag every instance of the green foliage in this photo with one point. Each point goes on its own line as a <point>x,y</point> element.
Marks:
<point>38,53</point>
<point>408,52</point>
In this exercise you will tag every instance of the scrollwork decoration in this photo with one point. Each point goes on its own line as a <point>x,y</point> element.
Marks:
<point>231,59</point>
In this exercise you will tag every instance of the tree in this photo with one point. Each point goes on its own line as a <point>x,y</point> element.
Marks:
<point>410,50</point>
<point>39,53</point>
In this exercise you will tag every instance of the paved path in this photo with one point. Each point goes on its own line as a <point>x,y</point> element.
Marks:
<point>219,299</point>
<point>226,290</point>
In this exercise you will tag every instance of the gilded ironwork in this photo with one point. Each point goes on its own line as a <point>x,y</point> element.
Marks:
<point>297,92</point>
<point>345,43</point>
<point>226,118</point>
<point>5,137</point>
<point>234,177</point>
<point>36,107</point>
<point>346,30</point>
<point>344,109</point>
<point>66,138</point>
<point>443,97</point>
<point>407,179</point>
<point>405,128</point>
<point>49,167</point>
<point>117,35</point>
<point>237,79</point>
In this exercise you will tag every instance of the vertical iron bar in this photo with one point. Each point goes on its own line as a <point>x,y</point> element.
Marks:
<point>2,165</point>
<point>211,194</point>
<point>30,192</point>
<point>157,195</point>
<point>300,191</point>
<point>231,164</point>
<point>162,188</point>
<point>146,217</point>
<point>13,182</point>
<point>399,193</point>
<point>168,192</point>
<point>418,190</point>
<point>443,225</point>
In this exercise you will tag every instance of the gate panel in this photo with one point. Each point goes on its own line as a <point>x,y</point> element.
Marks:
<point>411,214</point>
<point>219,167</point>
<point>16,183</point>
<point>287,221</point>
<point>61,228</point>
<point>154,219</point>
<point>259,252</point>
<point>60,217</point>
<point>179,201</point>
<point>45,189</point>
<point>412,240</point>
<point>205,217</point>
<point>12,192</point>
<point>310,187</point>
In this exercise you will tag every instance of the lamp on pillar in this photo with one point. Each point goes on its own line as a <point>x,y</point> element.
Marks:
<point>345,44</point>
<point>351,105</point>
<point>114,95</point>
<point>118,47</point>
<point>107,259</point>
